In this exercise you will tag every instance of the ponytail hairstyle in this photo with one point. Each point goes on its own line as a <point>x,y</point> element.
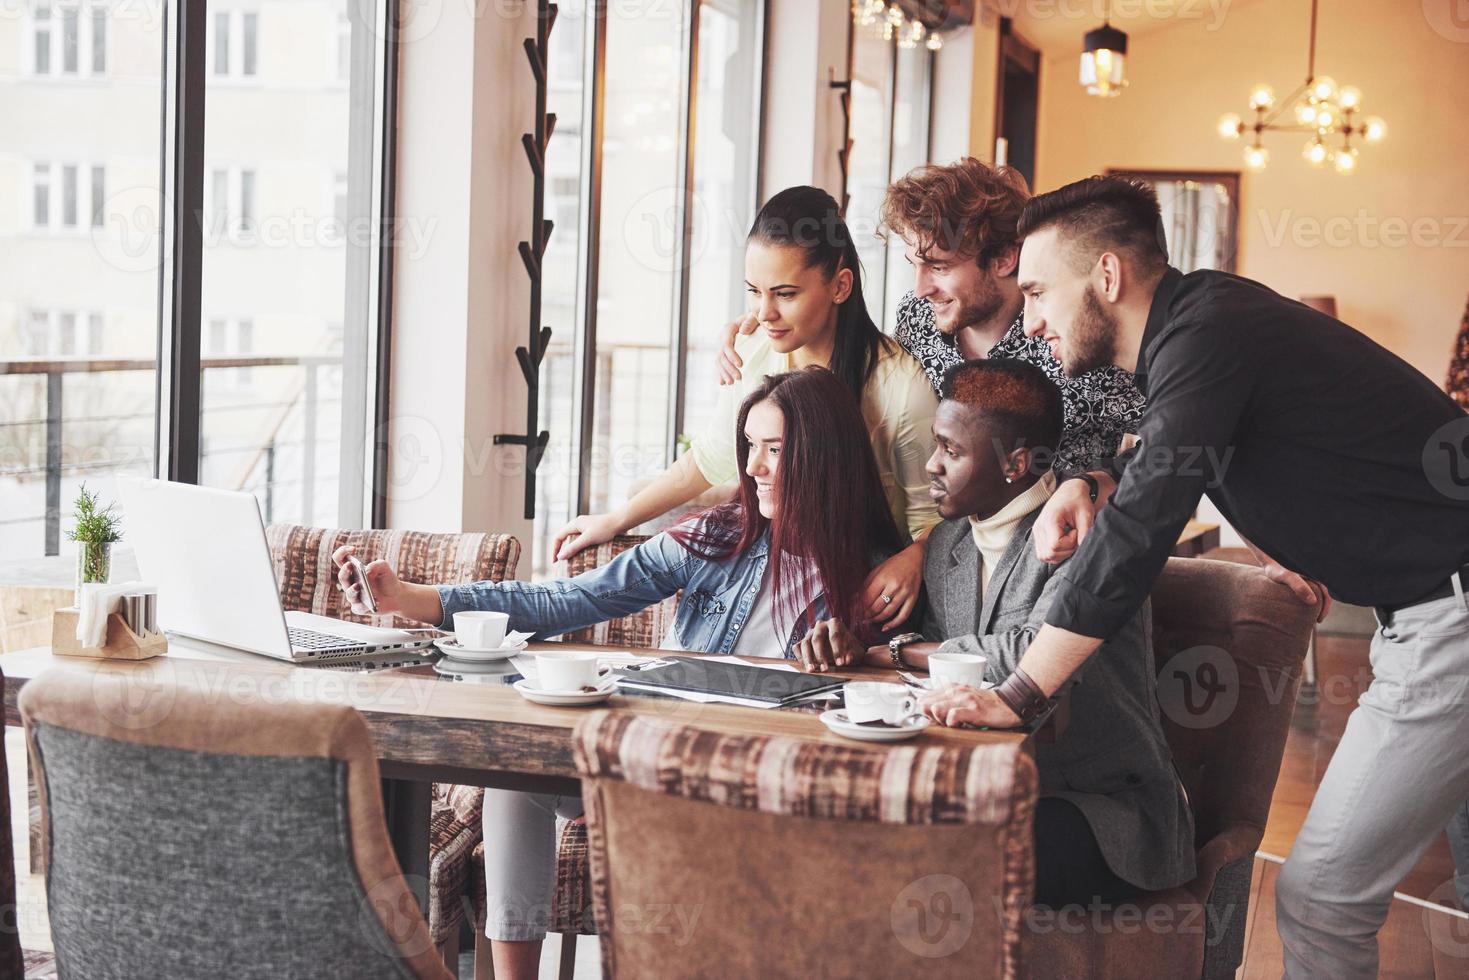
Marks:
<point>809,219</point>
<point>825,451</point>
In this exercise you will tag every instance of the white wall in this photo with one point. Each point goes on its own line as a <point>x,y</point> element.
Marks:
<point>460,308</point>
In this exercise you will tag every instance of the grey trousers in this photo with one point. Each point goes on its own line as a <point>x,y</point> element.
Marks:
<point>1399,774</point>
<point>520,860</point>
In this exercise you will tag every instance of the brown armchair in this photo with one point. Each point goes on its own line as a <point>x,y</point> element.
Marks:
<point>1228,645</point>
<point>758,856</point>
<point>302,557</point>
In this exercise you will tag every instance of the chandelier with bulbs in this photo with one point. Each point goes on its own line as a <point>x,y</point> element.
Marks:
<point>1319,107</point>
<point>887,20</point>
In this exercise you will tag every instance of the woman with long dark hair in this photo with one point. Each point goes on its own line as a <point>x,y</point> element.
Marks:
<point>805,283</point>
<point>756,573</point>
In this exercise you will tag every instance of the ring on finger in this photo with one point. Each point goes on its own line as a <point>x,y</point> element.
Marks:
<point>886,599</point>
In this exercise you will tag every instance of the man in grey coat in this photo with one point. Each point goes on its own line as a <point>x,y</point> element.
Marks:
<point>1112,818</point>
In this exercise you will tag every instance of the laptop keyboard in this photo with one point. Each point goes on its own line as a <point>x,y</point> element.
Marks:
<point>318,642</point>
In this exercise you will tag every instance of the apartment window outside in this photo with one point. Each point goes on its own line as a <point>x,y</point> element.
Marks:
<point>98,200</point>
<point>69,196</point>
<point>222,43</point>
<point>99,39</point>
<point>248,24</point>
<point>70,39</point>
<point>41,195</point>
<point>41,39</point>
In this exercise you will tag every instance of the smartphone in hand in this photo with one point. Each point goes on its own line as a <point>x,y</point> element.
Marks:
<point>359,572</point>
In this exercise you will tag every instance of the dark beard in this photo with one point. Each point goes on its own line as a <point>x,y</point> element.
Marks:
<point>1093,338</point>
<point>984,308</point>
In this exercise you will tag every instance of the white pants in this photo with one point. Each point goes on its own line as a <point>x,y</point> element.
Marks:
<point>520,860</point>
<point>1399,774</point>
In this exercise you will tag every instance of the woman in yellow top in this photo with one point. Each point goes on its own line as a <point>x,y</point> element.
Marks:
<point>805,284</point>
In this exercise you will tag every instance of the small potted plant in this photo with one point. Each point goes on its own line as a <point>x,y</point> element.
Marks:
<point>95,529</point>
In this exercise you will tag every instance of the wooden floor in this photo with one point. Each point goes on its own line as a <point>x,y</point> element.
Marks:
<point>1419,942</point>
<point>1343,673</point>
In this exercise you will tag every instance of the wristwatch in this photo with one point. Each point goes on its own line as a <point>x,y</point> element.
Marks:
<point>1091,484</point>
<point>896,645</point>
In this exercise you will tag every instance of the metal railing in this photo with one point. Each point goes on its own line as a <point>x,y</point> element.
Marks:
<point>257,452</point>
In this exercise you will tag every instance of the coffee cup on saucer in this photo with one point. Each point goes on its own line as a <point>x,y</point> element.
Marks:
<point>874,701</point>
<point>568,670</point>
<point>947,669</point>
<point>477,630</point>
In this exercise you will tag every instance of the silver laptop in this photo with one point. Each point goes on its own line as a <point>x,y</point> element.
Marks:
<point>205,550</point>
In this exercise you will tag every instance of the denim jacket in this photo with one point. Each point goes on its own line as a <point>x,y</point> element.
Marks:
<point>716,602</point>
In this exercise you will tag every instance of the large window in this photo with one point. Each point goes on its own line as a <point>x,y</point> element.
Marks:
<point>678,162</point>
<point>639,249</point>
<point>282,210</point>
<point>891,88</point>
<point>726,157</point>
<point>562,276</point>
<point>81,253</point>
<point>869,163</point>
<point>288,171</point>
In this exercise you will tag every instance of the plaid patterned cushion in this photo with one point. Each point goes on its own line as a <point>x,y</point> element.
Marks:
<point>642,629</point>
<point>976,784</point>
<point>302,557</point>
<point>454,830</point>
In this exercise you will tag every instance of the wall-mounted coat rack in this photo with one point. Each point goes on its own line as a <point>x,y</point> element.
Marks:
<point>531,253</point>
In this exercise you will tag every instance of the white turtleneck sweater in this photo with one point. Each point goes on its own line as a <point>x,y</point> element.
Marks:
<point>992,534</point>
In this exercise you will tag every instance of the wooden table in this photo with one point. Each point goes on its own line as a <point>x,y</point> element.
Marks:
<point>430,729</point>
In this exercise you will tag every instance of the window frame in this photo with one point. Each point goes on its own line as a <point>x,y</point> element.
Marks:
<point>585,409</point>
<point>188,59</point>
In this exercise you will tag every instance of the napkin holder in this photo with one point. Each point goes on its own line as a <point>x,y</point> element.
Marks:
<point>119,642</point>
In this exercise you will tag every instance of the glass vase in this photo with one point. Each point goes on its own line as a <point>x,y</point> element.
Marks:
<point>94,563</point>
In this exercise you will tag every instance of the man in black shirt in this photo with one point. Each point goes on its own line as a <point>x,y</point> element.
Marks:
<point>1327,452</point>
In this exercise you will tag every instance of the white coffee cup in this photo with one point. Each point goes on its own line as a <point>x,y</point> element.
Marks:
<point>568,670</point>
<point>477,630</point>
<point>875,701</point>
<point>946,669</point>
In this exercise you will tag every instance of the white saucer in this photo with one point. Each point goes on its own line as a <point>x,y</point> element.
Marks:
<point>452,667</point>
<point>451,648</point>
<point>566,699</point>
<point>836,720</point>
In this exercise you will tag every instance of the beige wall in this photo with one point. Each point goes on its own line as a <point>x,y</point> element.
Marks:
<point>1391,242</point>
<point>986,63</point>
